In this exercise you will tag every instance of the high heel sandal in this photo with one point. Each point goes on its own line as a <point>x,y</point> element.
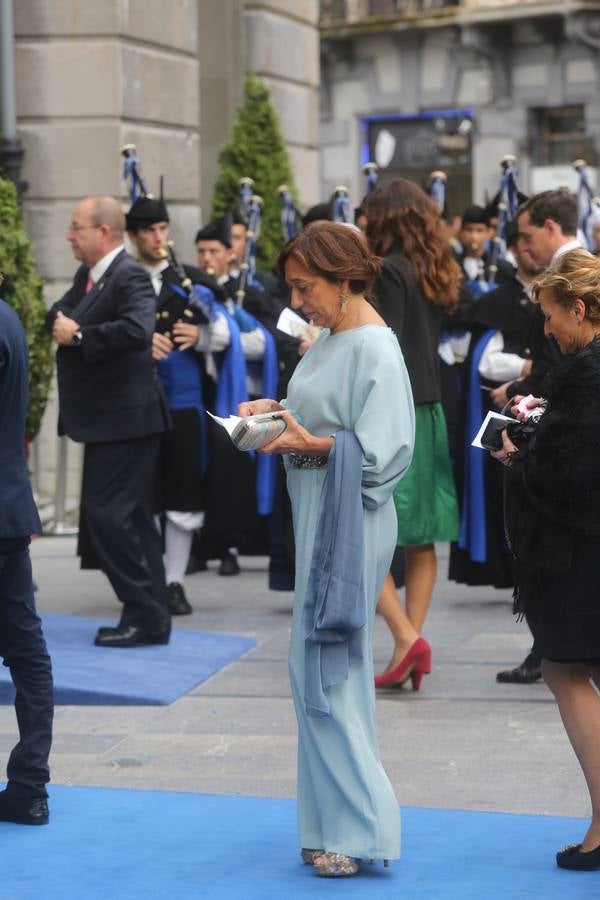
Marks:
<point>336,865</point>
<point>309,856</point>
<point>415,664</point>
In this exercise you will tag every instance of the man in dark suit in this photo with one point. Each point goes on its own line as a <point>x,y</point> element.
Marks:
<point>22,644</point>
<point>110,400</point>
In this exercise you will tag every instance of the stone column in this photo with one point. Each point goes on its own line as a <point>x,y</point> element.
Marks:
<point>282,47</point>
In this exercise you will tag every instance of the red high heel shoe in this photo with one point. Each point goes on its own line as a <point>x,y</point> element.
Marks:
<point>415,664</point>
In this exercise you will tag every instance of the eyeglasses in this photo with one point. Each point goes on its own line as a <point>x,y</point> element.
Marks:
<point>77,228</point>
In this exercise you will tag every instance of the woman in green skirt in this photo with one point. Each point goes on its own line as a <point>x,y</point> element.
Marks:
<point>419,283</point>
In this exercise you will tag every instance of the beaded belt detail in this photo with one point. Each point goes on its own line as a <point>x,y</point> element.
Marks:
<point>305,461</point>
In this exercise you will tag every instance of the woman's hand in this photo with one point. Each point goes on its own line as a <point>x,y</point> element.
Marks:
<point>532,403</point>
<point>296,439</point>
<point>256,407</point>
<point>508,449</point>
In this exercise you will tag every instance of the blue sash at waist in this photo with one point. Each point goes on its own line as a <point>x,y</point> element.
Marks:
<point>473,531</point>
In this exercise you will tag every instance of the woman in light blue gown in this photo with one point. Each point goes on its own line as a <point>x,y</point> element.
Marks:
<point>351,383</point>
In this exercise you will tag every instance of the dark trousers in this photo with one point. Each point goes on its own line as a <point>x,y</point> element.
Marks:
<point>116,511</point>
<point>24,652</point>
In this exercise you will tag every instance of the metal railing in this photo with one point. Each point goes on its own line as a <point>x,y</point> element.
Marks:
<point>58,511</point>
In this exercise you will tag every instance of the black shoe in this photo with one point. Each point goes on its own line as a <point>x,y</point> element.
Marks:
<point>196,564</point>
<point>130,636</point>
<point>572,857</point>
<point>229,565</point>
<point>529,671</point>
<point>178,603</point>
<point>24,811</point>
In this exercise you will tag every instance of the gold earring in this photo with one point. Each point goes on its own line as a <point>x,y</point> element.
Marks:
<point>343,302</point>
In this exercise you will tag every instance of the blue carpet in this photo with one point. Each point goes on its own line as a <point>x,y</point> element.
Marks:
<point>139,676</point>
<point>141,845</point>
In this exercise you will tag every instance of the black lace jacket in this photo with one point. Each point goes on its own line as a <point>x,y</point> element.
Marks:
<point>553,484</point>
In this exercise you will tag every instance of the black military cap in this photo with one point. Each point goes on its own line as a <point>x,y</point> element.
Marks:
<point>146,211</point>
<point>218,230</point>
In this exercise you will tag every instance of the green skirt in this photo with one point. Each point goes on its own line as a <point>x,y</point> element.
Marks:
<point>425,498</point>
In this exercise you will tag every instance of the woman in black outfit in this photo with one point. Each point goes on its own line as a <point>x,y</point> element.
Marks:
<point>419,283</point>
<point>553,522</point>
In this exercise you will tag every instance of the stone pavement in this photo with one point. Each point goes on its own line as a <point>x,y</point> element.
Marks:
<point>463,741</point>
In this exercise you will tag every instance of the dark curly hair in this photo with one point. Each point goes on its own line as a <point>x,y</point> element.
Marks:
<point>401,216</point>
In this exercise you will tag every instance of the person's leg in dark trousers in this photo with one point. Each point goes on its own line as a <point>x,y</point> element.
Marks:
<point>116,500</point>
<point>24,652</point>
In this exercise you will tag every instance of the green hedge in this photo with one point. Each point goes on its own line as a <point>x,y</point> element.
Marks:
<point>256,150</point>
<point>22,289</point>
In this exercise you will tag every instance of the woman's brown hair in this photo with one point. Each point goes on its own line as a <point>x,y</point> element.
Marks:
<point>400,216</point>
<point>335,252</point>
<point>574,276</point>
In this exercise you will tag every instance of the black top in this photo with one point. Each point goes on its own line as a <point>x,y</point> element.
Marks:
<point>18,513</point>
<point>416,323</point>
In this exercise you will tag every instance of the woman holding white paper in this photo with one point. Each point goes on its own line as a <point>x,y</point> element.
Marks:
<point>553,521</point>
<point>349,438</point>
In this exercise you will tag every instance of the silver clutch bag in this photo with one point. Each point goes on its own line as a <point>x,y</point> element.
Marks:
<point>253,432</point>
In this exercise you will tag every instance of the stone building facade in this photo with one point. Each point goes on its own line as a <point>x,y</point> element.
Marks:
<point>167,76</point>
<point>457,84</point>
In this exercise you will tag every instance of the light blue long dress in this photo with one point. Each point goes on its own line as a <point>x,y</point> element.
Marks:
<point>354,380</point>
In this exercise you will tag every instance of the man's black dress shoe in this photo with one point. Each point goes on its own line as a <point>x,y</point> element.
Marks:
<point>130,636</point>
<point>23,811</point>
<point>229,565</point>
<point>572,857</point>
<point>529,671</point>
<point>196,564</point>
<point>178,602</point>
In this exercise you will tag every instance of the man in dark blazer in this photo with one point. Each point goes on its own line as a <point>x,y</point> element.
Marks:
<point>110,400</point>
<point>22,644</point>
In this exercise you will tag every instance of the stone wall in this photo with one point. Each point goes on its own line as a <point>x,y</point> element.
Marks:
<point>282,47</point>
<point>167,77</point>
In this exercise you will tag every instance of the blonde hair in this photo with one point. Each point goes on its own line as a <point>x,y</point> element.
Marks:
<point>574,276</point>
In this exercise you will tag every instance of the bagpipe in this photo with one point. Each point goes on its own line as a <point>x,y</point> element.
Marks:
<point>588,205</point>
<point>291,220</point>
<point>436,188</point>
<point>508,204</point>
<point>371,173</point>
<point>341,207</point>
<point>250,208</point>
<point>190,303</point>
<point>131,173</point>
<point>454,342</point>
